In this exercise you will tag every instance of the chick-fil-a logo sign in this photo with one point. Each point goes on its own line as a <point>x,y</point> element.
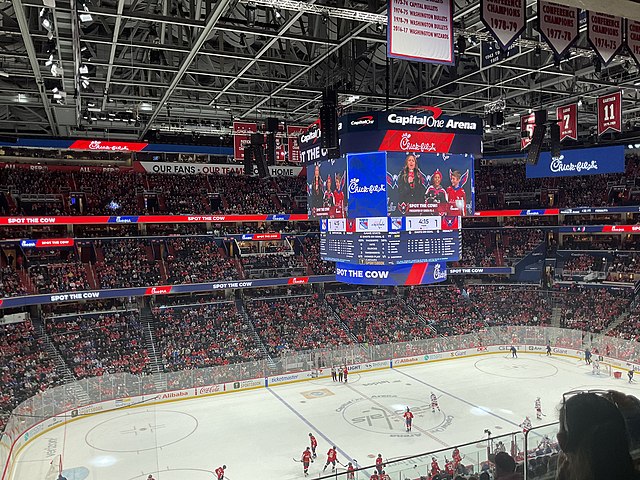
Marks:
<point>99,145</point>
<point>354,187</point>
<point>407,145</point>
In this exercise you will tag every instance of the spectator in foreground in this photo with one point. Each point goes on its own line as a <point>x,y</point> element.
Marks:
<point>506,467</point>
<point>594,438</point>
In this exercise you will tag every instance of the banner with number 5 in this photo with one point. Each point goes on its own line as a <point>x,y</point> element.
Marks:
<point>610,113</point>
<point>568,121</point>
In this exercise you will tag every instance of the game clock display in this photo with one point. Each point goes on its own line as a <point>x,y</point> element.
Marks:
<point>390,248</point>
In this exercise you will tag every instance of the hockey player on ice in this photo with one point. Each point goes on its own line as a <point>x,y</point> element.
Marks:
<point>408,418</point>
<point>595,367</point>
<point>434,403</point>
<point>220,472</point>
<point>379,463</point>
<point>538,405</point>
<point>526,425</point>
<point>306,459</point>
<point>435,468</point>
<point>314,444</point>
<point>351,472</point>
<point>332,458</point>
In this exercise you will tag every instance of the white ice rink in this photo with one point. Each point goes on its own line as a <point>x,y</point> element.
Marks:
<point>257,433</point>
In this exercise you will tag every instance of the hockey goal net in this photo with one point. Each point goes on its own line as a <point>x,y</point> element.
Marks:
<point>55,468</point>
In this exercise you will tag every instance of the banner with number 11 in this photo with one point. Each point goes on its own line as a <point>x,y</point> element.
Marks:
<point>610,113</point>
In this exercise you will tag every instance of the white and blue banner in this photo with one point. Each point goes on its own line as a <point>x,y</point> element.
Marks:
<point>585,161</point>
<point>406,274</point>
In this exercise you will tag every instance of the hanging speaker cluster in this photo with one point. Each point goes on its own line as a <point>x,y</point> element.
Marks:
<point>329,122</point>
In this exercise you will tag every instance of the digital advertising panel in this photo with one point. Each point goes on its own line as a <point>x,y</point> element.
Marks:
<point>326,189</point>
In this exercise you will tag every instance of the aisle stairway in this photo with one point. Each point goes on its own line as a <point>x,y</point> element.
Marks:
<point>60,365</point>
<point>261,346</point>
<point>621,319</point>
<point>147,320</point>
<point>419,316</point>
<point>339,320</point>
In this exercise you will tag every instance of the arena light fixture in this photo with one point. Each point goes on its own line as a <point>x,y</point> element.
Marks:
<point>84,14</point>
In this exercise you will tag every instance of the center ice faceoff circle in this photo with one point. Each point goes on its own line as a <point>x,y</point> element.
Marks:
<point>140,431</point>
<point>516,367</point>
<point>383,414</point>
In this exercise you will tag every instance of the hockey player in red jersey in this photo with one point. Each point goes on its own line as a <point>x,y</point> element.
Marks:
<point>457,458</point>
<point>526,425</point>
<point>435,468</point>
<point>332,458</point>
<point>351,471</point>
<point>434,403</point>
<point>384,476</point>
<point>314,444</point>
<point>408,419</point>
<point>374,476</point>
<point>449,468</point>
<point>220,472</point>
<point>379,463</point>
<point>306,460</point>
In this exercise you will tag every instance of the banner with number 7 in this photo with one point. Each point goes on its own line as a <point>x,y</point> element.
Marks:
<point>610,113</point>
<point>568,121</point>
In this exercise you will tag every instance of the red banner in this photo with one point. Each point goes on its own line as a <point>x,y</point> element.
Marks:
<point>558,25</point>
<point>99,145</point>
<point>426,142</point>
<point>568,121</point>
<point>610,113</point>
<point>124,219</point>
<point>65,168</point>
<point>505,19</point>
<point>604,35</point>
<point>293,133</point>
<point>527,124</point>
<point>633,39</point>
<point>242,136</point>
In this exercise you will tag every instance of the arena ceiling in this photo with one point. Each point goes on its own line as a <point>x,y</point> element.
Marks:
<point>125,68</point>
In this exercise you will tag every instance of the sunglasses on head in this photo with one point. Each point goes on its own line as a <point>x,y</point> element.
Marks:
<point>606,394</point>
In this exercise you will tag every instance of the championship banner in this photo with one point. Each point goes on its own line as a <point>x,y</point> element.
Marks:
<point>506,20</point>
<point>293,133</point>
<point>604,33</point>
<point>558,25</point>
<point>242,136</point>
<point>568,121</point>
<point>632,39</point>
<point>527,124</point>
<point>421,31</point>
<point>490,53</point>
<point>610,113</point>
<point>407,274</point>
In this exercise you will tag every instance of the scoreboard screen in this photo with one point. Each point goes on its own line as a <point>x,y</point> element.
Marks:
<point>390,248</point>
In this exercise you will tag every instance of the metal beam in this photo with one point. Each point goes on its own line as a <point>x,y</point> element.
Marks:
<point>217,12</point>
<point>31,52</point>
<point>112,53</point>
<point>621,8</point>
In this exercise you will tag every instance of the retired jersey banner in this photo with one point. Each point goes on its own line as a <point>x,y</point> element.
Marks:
<point>241,137</point>
<point>604,35</point>
<point>558,25</point>
<point>491,53</point>
<point>610,113</point>
<point>421,31</point>
<point>633,39</point>
<point>505,19</point>
<point>568,121</point>
<point>527,124</point>
<point>293,133</point>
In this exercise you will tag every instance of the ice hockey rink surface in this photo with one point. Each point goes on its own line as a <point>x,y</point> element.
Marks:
<point>258,433</point>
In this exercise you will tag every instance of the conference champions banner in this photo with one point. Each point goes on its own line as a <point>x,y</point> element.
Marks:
<point>506,20</point>
<point>585,161</point>
<point>392,275</point>
<point>568,121</point>
<point>604,33</point>
<point>610,112</point>
<point>558,25</point>
<point>632,39</point>
<point>421,31</point>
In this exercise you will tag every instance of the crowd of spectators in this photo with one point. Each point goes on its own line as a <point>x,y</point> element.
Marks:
<point>93,345</point>
<point>181,194</point>
<point>517,243</point>
<point>295,323</point>
<point>70,276</point>
<point>629,328</point>
<point>374,317</point>
<point>478,249</point>
<point>197,260</point>
<point>245,194</point>
<point>446,308</point>
<point>25,368</point>
<point>127,263</point>
<point>590,309</point>
<point>510,304</point>
<point>272,266</point>
<point>10,283</point>
<point>582,264</point>
<point>311,246</point>
<point>203,336</point>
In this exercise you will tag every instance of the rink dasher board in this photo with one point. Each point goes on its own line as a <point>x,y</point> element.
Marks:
<point>106,406</point>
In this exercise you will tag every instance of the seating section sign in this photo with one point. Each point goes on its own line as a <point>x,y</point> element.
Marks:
<point>421,31</point>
